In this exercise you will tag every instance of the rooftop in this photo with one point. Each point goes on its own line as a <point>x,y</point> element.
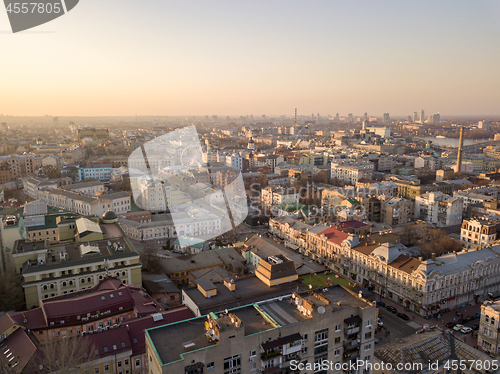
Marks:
<point>71,255</point>
<point>261,316</point>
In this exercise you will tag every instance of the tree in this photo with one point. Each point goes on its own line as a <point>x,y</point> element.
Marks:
<point>167,245</point>
<point>438,242</point>
<point>66,355</point>
<point>11,293</point>
<point>151,262</point>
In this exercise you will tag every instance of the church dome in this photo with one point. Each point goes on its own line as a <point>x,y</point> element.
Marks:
<point>109,217</point>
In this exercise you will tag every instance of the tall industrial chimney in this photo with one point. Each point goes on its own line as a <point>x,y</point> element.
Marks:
<point>460,146</point>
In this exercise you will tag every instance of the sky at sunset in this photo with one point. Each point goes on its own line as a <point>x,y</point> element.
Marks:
<point>124,57</point>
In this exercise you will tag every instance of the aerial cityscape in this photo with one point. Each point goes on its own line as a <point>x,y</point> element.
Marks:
<point>284,187</point>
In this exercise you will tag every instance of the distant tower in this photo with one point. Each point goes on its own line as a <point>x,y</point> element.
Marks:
<point>365,117</point>
<point>295,116</point>
<point>460,146</point>
<point>422,116</point>
<point>415,117</point>
<point>251,144</point>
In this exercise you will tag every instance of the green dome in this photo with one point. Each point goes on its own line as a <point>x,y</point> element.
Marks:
<point>109,217</point>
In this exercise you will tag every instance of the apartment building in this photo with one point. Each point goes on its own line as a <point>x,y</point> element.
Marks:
<point>49,271</point>
<point>20,165</point>
<point>477,232</point>
<point>274,335</point>
<point>118,202</point>
<point>278,195</point>
<point>489,328</point>
<point>98,135</point>
<point>439,209</point>
<point>292,231</point>
<point>396,211</point>
<point>351,171</point>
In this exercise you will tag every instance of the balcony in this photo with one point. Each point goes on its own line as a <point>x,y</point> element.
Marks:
<point>350,331</point>
<point>267,356</point>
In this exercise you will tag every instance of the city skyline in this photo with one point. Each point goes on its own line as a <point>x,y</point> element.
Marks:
<point>127,58</point>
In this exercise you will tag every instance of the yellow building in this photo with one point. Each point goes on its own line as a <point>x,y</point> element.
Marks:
<point>51,271</point>
<point>276,270</point>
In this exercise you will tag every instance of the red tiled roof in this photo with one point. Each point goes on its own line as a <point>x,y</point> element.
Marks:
<point>20,348</point>
<point>352,224</point>
<point>34,318</point>
<point>110,342</point>
<point>334,235</point>
<point>405,263</point>
<point>88,303</point>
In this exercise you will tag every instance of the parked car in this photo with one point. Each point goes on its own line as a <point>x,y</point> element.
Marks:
<point>475,327</point>
<point>403,316</point>
<point>466,330</point>
<point>391,309</point>
<point>451,325</point>
<point>379,303</point>
<point>380,323</point>
<point>461,321</point>
<point>470,318</point>
<point>478,314</point>
<point>458,327</point>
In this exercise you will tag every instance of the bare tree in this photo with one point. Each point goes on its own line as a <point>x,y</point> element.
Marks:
<point>66,355</point>
<point>151,262</point>
<point>438,242</point>
<point>11,292</point>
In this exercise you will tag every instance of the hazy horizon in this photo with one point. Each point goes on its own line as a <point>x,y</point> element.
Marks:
<point>122,58</point>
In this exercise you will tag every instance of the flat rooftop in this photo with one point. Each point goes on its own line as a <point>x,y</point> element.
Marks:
<point>255,317</point>
<point>248,290</point>
<point>74,255</point>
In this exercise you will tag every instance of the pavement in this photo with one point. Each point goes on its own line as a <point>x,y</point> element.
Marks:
<point>396,328</point>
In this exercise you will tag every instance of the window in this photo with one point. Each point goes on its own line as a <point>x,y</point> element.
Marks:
<point>253,353</point>
<point>336,352</point>
<point>368,335</point>
<point>232,363</point>
<point>304,350</point>
<point>368,347</point>
<point>119,364</point>
<point>106,368</point>
<point>97,370</point>
<point>210,366</point>
<point>304,337</point>
<point>125,362</point>
<point>368,322</point>
<point>337,328</point>
<point>337,340</point>
<point>137,363</point>
<point>321,335</point>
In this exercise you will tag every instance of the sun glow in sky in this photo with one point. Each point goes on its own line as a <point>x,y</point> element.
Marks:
<point>122,57</point>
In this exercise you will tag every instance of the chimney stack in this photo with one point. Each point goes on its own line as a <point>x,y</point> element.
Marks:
<point>460,146</point>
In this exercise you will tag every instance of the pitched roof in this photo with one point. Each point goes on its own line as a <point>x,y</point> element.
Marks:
<point>334,235</point>
<point>405,263</point>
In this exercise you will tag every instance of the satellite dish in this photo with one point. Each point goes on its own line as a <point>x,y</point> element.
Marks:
<point>299,302</point>
<point>321,310</point>
<point>310,286</point>
<point>280,298</point>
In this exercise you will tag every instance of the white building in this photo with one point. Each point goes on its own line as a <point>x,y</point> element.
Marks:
<point>118,202</point>
<point>154,194</point>
<point>351,171</point>
<point>431,163</point>
<point>278,195</point>
<point>91,188</point>
<point>439,209</point>
<point>477,232</point>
